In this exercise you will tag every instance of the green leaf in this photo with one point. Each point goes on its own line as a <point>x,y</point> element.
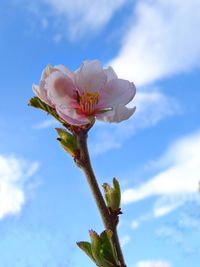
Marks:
<point>68,141</point>
<point>109,251</point>
<point>86,247</point>
<point>96,246</point>
<point>101,249</point>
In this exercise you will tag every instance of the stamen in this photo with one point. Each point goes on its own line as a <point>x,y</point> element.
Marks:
<point>88,102</point>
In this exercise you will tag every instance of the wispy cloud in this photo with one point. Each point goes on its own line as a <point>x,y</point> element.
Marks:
<point>175,187</point>
<point>75,18</point>
<point>162,39</point>
<point>166,204</point>
<point>46,124</point>
<point>135,224</point>
<point>178,180</point>
<point>13,175</point>
<point>153,263</point>
<point>180,232</point>
<point>151,107</point>
<point>124,240</point>
<point>90,16</point>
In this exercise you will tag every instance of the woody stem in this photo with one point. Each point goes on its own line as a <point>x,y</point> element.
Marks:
<point>84,163</point>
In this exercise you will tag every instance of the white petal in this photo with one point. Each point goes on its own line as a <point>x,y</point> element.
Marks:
<point>40,89</point>
<point>42,94</point>
<point>36,89</point>
<point>110,73</point>
<point>120,113</point>
<point>47,71</point>
<point>90,77</point>
<point>65,71</point>
<point>60,89</point>
<point>117,92</point>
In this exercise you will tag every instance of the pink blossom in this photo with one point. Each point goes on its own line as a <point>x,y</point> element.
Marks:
<point>89,92</point>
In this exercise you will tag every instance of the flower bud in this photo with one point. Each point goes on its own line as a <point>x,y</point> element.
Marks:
<point>68,141</point>
<point>112,195</point>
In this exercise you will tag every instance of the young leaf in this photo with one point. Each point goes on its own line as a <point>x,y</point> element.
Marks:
<point>109,251</point>
<point>86,247</point>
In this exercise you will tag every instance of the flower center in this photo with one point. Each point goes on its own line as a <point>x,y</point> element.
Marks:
<point>88,102</point>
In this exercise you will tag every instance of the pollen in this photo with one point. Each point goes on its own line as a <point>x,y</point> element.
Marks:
<point>88,101</point>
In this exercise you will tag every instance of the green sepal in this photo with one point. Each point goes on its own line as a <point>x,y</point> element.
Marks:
<point>112,195</point>
<point>37,103</point>
<point>86,247</point>
<point>68,141</point>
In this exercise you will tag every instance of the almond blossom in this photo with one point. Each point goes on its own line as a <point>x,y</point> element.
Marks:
<point>88,93</point>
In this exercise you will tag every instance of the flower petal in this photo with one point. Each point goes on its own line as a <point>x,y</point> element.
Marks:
<point>61,89</point>
<point>40,89</point>
<point>36,90</point>
<point>47,71</point>
<point>110,73</point>
<point>90,77</point>
<point>71,116</point>
<point>118,114</point>
<point>65,71</point>
<point>117,92</point>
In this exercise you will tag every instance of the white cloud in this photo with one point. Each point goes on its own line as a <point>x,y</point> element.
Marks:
<point>165,205</point>
<point>177,182</point>
<point>190,221</point>
<point>13,175</point>
<point>162,39</point>
<point>76,17</point>
<point>151,107</point>
<point>153,264</point>
<point>181,231</point>
<point>169,203</point>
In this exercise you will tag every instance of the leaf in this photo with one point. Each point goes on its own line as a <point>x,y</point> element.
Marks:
<point>101,249</point>
<point>109,251</point>
<point>86,247</point>
<point>96,246</point>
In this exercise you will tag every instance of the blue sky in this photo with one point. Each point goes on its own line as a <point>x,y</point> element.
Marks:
<point>45,203</point>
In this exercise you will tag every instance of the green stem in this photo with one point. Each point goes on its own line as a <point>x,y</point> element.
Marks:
<point>84,163</point>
